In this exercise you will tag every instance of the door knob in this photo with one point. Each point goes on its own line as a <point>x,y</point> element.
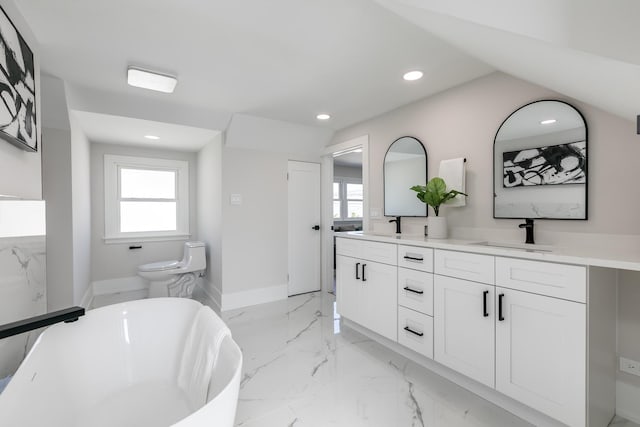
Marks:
<point>316,227</point>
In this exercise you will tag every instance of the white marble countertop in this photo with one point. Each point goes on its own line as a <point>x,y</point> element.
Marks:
<point>588,255</point>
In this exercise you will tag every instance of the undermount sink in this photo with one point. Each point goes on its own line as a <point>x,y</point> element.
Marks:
<point>519,246</point>
<point>380,234</point>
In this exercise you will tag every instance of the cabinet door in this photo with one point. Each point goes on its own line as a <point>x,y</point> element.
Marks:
<point>379,299</point>
<point>348,287</point>
<point>541,354</point>
<point>463,335</point>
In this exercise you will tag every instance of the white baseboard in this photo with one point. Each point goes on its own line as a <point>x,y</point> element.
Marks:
<point>254,297</point>
<point>627,399</point>
<point>87,299</point>
<point>121,284</point>
<point>211,294</point>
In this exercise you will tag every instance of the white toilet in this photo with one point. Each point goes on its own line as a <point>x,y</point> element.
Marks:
<point>175,278</point>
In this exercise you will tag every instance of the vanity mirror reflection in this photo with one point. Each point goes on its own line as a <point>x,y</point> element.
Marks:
<point>540,163</point>
<point>405,165</point>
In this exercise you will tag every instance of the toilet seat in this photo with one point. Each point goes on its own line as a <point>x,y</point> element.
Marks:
<point>160,266</point>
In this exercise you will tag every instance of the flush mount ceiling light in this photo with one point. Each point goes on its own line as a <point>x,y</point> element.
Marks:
<point>151,80</point>
<point>413,75</point>
<point>323,116</point>
<point>152,137</point>
<point>548,122</point>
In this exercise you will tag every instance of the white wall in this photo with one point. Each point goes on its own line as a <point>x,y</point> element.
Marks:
<point>20,171</point>
<point>629,323</point>
<point>462,122</point>
<point>254,236</point>
<point>56,191</point>
<point>111,261</point>
<point>209,214</point>
<point>80,210</point>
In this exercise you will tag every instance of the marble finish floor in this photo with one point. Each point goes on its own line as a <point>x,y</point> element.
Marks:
<point>302,369</point>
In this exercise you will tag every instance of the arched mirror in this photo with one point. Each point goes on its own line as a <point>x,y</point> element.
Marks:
<point>405,165</point>
<point>540,163</point>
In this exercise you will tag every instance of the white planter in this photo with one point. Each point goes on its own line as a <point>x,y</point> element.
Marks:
<point>437,227</point>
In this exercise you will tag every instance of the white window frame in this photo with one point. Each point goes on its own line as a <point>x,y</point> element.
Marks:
<point>344,202</point>
<point>112,166</point>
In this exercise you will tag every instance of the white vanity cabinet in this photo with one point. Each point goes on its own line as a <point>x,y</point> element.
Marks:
<point>539,332</point>
<point>367,289</point>
<point>541,341</point>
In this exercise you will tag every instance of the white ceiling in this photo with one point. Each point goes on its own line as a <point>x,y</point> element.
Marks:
<point>585,49</point>
<point>279,59</point>
<point>287,60</point>
<point>110,129</point>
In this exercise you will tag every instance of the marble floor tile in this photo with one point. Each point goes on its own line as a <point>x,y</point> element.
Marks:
<point>303,369</point>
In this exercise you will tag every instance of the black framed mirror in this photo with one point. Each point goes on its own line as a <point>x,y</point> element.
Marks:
<point>405,165</point>
<point>540,163</point>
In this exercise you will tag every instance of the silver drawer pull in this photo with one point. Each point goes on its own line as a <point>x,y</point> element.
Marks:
<point>408,329</point>
<point>406,288</point>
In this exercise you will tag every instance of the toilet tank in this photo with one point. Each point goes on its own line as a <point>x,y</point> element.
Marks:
<point>194,258</point>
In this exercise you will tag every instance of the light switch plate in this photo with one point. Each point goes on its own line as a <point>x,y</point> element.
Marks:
<point>629,366</point>
<point>236,199</point>
<point>374,212</point>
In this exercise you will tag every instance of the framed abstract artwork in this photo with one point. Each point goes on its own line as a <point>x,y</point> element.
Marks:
<point>554,165</point>
<point>18,117</point>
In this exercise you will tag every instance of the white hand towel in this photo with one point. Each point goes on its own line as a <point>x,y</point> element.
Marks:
<point>200,355</point>
<point>453,173</point>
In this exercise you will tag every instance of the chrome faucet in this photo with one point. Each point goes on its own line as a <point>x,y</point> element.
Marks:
<point>528,225</point>
<point>397,221</point>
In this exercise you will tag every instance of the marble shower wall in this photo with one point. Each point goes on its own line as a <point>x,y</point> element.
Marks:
<point>22,283</point>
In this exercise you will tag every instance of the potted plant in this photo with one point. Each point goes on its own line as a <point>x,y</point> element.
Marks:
<point>434,194</point>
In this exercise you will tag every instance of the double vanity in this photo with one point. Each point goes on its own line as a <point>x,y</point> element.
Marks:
<point>526,329</point>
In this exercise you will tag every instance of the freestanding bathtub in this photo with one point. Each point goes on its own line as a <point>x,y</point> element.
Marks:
<point>146,363</point>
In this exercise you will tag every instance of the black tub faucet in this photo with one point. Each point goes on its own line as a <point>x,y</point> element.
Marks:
<point>397,221</point>
<point>528,225</point>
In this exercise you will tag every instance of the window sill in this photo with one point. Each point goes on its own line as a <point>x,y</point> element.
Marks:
<point>144,239</point>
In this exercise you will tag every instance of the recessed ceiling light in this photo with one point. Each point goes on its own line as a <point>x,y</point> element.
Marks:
<point>548,122</point>
<point>413,75</point>
<point>151,80</point>
<point>151,137</point>
<point>323,117</point>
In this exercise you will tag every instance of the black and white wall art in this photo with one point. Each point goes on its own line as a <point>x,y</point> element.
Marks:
<point>552,165</point>
<point>18,123</point>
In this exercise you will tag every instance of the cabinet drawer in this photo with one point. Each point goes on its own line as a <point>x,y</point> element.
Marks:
<point>415,290</point>
<point>415,258</point>
<point>463,265</point>
<point>544,278</point>
<point>415,331</point>
<point>373,251</point>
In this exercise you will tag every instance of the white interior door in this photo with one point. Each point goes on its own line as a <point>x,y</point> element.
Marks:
<point>304,227</point>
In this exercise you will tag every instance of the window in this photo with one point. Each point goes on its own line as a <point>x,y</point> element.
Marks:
<point>347,199</point>
<point>145,199</point>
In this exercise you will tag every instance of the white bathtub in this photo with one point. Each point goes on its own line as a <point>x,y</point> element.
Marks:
<point>121,366</point>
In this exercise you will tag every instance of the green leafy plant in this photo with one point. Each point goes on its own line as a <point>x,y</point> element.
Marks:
<point>435,193</point>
